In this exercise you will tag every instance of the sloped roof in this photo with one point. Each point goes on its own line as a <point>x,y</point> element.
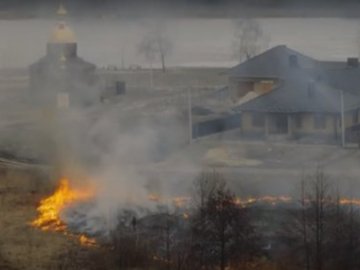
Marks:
<point>347,79</point>
<point>301,93</point>
<point>73,63</point>
<point>293,93</point>
<point>273,63</point>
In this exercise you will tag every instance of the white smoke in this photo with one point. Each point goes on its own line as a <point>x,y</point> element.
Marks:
<point>116,150</point>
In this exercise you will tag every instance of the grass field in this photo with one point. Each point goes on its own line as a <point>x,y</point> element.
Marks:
<point>21,245</point>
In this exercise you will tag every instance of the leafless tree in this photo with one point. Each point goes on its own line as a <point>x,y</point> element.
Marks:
<point>156,43</point>
<point>304,224</point>
<point>306,229</point>
<point>222,230</point>
<point>321,233</point>
<point>130,246</point>
<point>319,205</point>
<point>249,39</point>
<point>204,187</point>
<point>344,244</point>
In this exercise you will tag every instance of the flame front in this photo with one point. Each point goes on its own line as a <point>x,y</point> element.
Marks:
<point>50,209</point>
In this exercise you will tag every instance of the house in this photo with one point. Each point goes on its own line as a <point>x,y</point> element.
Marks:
<point>263,72</point>
<point>296,97</point>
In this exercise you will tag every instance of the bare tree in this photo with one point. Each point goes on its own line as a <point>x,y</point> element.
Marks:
<point>321,233</point>
<point>304,223</point>
<point>222,230</point>
<point>344,244</point>
<point>204,187</point>
<point>249,39</point>
<point>319,205</point>
<point>156,43</point>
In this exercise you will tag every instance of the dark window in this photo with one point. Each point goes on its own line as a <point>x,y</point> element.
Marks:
<point>311,89</point>
<point>355,116</point>
<point>293,60</point>
<point>319,121</point>
<point>258,120</point>
<point>120,87</point>
<point>280,122</point>
<point>298,121</point>
<point>353,62</point>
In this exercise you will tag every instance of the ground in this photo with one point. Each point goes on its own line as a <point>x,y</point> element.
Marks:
<point>253,168</point>
<point>21,245</point>
<point>258,168</point>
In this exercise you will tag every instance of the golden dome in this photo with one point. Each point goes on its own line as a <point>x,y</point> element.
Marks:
<point>61,11</point>
<point>62,34</point>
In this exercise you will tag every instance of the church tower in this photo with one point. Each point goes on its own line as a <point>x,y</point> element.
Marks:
<point>61,78</point>
<point>62,40</point>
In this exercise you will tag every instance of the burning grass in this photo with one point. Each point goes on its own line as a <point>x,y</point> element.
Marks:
<point>22,246</point>
<point>51,208</point>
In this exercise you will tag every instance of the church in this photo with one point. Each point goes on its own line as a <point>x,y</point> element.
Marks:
<point>61,78</point>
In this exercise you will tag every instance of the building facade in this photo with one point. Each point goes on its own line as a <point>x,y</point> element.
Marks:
<point>297,97</point>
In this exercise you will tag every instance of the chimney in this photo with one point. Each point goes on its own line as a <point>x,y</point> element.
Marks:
<point>353,62</point>
<point>293,61</point>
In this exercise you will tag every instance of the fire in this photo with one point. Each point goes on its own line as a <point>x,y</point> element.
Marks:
<point>50,209</point>
<point>346,201</point>
<point>154,198</point>
<point>86,241</point>
<point>274,200</point>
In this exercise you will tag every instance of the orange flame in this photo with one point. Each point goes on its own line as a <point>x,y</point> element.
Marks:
<point>177,201</point>
<point>86,241</point>
<point>346,201</point>
<point>274,200</point>
<point>51,208</point>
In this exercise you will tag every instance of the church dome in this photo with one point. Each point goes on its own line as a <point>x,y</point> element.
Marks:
<point>62,34</point>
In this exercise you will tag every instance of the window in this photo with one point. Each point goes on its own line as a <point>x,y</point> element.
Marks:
<point>319,121</point>
<point>311,90</point>
<point>293,60</point>
<point>355,116</point>
<point>281,122</point>
<point>258,120</point>
<point>298,121</point>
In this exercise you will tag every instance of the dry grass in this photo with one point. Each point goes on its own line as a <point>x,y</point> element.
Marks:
<point>22,246</point>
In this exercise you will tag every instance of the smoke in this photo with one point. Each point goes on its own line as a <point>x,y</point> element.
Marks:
<point>116,151</point>
<point>118,148</point>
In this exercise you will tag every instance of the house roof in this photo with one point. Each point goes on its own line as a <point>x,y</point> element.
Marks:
<point>347,79</point>
<point>273,63</point>
<point>311,86</point>
<point>301,94</point>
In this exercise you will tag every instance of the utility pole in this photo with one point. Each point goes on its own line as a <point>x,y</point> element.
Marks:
<point>342,118</point>
<point>151,76</point>
<point>190,115</point>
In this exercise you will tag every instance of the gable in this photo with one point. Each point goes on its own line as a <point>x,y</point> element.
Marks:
<point>274,63</point>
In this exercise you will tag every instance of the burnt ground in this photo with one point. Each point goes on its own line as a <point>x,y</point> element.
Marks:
<point>253,168</point>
